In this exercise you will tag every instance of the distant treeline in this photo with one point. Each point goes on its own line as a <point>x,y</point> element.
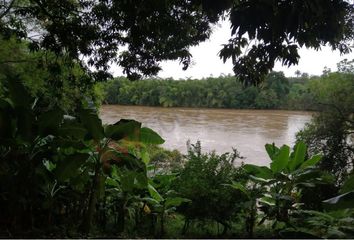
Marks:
<point>277,92</point>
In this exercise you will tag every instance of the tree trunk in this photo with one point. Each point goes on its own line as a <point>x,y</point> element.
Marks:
<point>87,222</point>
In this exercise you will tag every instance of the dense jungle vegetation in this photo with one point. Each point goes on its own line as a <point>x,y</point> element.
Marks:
<point>276,92</point>
<point>63,174</point>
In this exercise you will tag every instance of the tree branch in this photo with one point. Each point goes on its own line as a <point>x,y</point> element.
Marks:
<point>7,9</point>
<point>18,61</point>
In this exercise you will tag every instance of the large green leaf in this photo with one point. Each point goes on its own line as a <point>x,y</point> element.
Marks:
<point>261,180</point>
<point>259,171</point>
<point>154,193</point>
<point>267,200</point>
<point>314,176</point>
<point>175,201</point>
<point>71,129</point>
<point>272,150</point>
<point>280,159</point>
<point>149,136</point>
<point>125,128</point>
<point>68,167</point>
<point>299,156</point>
<point>343,201</point>
<point>92,122</point>
<point>348,185</point>
<point>311,162</point>
<point>131,180</point>
<point>239,186</point>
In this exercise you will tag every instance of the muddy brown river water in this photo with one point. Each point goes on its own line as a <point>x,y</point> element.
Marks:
<point>217,129</point>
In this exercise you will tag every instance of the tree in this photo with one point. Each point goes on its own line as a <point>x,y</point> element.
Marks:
<point>331,130</point>
<point>153,31</point>
<point>56,81</point>
<point>279,29</point>
<point>298,73</point>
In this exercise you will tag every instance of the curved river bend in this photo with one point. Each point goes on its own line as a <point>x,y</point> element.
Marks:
<point>217,129</point>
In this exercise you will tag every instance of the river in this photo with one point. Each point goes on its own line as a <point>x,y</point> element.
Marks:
<point>217,129</point>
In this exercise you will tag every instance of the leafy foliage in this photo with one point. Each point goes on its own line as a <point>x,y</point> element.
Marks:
<point>202,180</point>
<point>331,131</point>
<point>57,81</point>
<point>288,174</point>
<point>153,31</point>
<point>222,92</point>
<point>279,29</point>
<point>65,166</point>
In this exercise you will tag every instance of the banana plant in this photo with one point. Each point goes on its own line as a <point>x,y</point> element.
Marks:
<point>80,150</point>
<point>288,173</point>
<point>114,144</point>
<point>337,221</point>
<point>165,203</point>
<point>251,191</point>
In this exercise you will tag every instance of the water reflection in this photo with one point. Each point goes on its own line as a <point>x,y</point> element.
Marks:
<point>219,129</point>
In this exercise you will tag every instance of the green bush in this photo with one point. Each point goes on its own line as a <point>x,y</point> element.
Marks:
<point>203,180</point>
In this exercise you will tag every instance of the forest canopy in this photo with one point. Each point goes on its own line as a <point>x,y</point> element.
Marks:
<point>139,34</point>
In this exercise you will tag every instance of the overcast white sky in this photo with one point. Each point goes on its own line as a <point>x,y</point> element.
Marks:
<point>206,61</point>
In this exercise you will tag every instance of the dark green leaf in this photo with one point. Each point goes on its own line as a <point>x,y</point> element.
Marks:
<point>125,128</point>
<point>175,201</point>
<point>259,171</point>
<point>272,150</point>
<point>149,136</point>
<point>154,193</point>
<point>348,185</point>
<point>280,159</point>
<point>311,162</point>
<point>92,122</point>
<point>299,157</point>
<point>239,186</point>
<point>133,180</point>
